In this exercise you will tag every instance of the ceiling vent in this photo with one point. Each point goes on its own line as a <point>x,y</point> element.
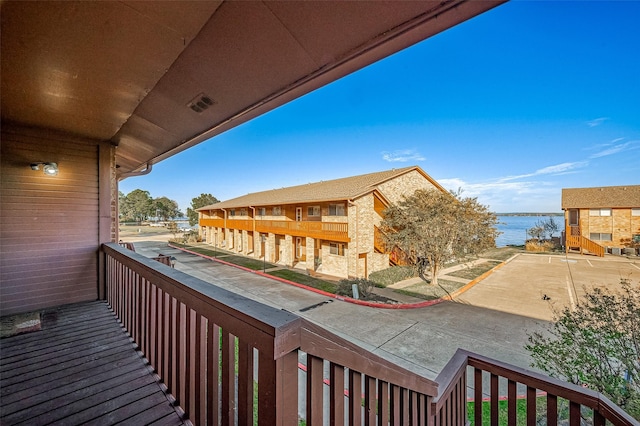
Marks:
<point>200,103</point>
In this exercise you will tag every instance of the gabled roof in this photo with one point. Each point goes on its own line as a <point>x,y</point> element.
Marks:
<point>331,190</point>
<point>601,197</point>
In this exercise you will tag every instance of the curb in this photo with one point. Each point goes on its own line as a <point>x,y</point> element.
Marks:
<point>416,305</point>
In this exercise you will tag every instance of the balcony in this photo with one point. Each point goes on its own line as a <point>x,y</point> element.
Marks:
<point>225,359</point>
<point>333,231</point>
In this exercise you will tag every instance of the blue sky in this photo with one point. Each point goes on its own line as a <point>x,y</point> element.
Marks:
<point>511,107</point>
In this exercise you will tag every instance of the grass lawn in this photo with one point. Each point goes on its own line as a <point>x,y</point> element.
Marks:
<point>502,253</point>
<point>247,262</point>
<point>304,279</point>
<point>473,272</point>
<point>426,291</point>
<point>521,411</point>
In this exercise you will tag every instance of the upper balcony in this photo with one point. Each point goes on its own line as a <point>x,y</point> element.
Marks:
<point>334,231</point>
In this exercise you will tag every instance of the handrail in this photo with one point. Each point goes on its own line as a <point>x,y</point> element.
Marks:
<point>202,341</point>
<point>584,243</point>
<point>603,408</point>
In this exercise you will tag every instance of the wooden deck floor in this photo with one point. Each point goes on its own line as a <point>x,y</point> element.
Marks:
<point>80,368</point>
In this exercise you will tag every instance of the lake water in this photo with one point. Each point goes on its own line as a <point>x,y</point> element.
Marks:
<point>514,228</point>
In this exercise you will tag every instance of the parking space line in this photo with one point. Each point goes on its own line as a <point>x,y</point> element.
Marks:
<point>589,262</point>
<point>635,266</point>
<point>549,259</point>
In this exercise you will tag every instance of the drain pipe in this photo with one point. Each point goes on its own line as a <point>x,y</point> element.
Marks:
<point>145,171</point>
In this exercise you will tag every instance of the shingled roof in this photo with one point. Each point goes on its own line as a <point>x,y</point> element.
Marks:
<point>323,191</point>
<point>601,197</point>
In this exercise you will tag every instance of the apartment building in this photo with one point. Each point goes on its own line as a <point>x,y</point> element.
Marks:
<point>601,217</point>
<point>329,227</point>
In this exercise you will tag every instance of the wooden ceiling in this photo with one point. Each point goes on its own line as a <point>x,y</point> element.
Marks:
<point>129,71</point>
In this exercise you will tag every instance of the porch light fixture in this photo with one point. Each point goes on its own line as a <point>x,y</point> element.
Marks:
<point>49,169</point>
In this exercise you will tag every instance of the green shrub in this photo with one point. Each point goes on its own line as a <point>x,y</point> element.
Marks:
<point>392,275</point>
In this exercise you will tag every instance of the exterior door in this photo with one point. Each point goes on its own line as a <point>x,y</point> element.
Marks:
<point>574,221</point>
<point>298,214</point>
<point>298,247</point>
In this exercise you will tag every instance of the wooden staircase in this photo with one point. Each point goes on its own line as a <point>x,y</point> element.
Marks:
<point>583,244</point>
<point>397,257</point>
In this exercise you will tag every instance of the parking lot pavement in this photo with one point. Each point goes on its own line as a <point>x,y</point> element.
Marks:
<point>494,318</point>
<point>520,286</point>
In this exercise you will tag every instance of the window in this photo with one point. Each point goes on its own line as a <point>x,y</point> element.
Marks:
<point>635,211</point>
<point>277,211</point>
<point>336,248</point>
<point>313,211</point>
<point>243,212</point>
<point>595,236</point>
<point>232,212</point>
<point>261,211</point>
<point>599,212</point>
<point>336,210</point>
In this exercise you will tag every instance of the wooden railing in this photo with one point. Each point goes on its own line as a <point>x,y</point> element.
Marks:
<point>548,401</point>
<point>583,243</point>
<point>227,360</point>
<point>204,342</point>
<point>214,223</point>
<point>334,231</point>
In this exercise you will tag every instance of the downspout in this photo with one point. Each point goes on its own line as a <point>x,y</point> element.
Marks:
<point>146,171</point>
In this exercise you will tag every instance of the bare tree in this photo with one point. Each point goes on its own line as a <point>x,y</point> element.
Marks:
<point>434,228</point>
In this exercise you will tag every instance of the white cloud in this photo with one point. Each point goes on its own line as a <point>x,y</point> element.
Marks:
<point>402,156</point>
<point>614,149</point>
<point>597,121</point>
<point>562,168</point>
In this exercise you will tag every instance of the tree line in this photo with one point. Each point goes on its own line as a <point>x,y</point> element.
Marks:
<point>138,206</point>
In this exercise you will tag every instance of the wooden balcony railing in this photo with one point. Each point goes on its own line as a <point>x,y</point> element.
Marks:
<point>583,243</point>
<point>230,360</point>
<point>548,401</point>
<point>334,231</point>
<point>204,341</point>
<point>214,223</point>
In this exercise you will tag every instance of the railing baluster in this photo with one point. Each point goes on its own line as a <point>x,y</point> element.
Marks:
<point>199,376</point>
<point>531,406</point>
<point>188,356</point>
<point>395,408</point>
<point>477,396</point>
<point>355,397</point>
<point>512,403</point>
<point>228,378</point>
<point>315,384</point>
<point>574,414</point>
<point>552,409</point>
<point>494,400</point>
<point>245,383</point>
<point>336,395</point>
<point>213,363</point>
<point>171,346</point>
<point>179,347</point>
<point>286,395</point>
<point>369,400</point>
<point>383,403</point>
